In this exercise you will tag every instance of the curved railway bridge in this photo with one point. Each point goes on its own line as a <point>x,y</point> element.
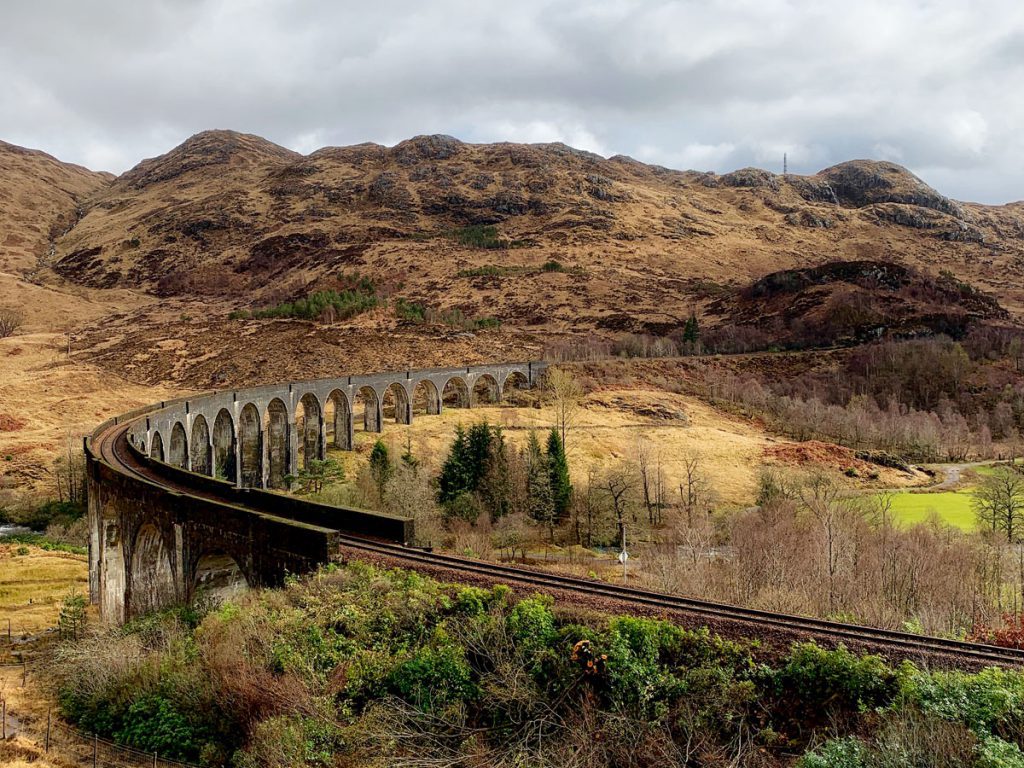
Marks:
<point>183,501</point>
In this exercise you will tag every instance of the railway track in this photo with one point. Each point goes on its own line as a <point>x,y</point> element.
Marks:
<point>111,446</point>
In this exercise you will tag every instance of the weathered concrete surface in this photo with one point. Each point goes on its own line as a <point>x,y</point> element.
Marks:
<point>205,524</point>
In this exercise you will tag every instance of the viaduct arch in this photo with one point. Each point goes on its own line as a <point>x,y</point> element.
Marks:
<point>214,522</point>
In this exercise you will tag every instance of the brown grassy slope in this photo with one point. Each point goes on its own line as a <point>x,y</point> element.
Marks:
<point>40,198</point>
<point>233,215</point>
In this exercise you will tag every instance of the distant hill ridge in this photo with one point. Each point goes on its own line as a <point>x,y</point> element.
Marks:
<point>235,216</point>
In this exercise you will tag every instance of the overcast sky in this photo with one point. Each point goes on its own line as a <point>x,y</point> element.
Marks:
<point>935,85</point>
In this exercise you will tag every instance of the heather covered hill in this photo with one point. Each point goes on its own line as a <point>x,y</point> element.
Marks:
<point>637,246</point>
<point>40,199</point>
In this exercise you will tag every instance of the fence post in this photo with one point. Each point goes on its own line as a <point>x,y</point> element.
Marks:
<point>24,674</point>
<point>46,748</point>
<point>3,719</point>
<point>95,747</point>
<point>154,760</point>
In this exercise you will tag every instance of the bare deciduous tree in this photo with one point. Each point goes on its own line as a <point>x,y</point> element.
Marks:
<point>69,472</point>
<point>999,503</point>
<point>566,393</point>
<point>618,484</point>
<point>10,321</point>
<point>821,497</point>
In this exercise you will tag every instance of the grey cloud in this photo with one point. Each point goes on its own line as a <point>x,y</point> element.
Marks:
<point>933,84</point>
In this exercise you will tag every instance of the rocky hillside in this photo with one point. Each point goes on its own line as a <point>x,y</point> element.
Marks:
<point>637,246</point>
<point>40,199</point>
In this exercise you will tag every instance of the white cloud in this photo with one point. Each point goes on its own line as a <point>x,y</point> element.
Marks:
<point>711,84</point>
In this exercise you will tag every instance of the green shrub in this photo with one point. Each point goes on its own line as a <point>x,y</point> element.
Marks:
<point>480,236</point>
<point>472,601</point>
<point>818,678</point>
<point>553,266</point>
<point>639,654</point>
<point>993,752</point>
<point>411,311</point>
<point>434,677</point>
<point>309,675</point>
<point>420,313</point>
<point>532,624</point>
<point>339,305</point>
<point>153,723</point>
<point>837,753</point>
<point>488,270</point>
<point>39,540</point>
<point>991,701</point>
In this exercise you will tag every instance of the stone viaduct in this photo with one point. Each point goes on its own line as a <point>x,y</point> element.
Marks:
<point>184,496</point>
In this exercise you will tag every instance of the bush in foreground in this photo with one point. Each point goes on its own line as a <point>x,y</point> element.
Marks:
<point>361,666</point>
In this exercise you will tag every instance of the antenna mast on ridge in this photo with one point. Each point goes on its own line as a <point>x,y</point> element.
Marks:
<point>785,164</point>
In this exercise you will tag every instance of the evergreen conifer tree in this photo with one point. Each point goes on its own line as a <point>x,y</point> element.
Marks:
<point>691,331</point>
<point>540,506</point>
<point>380,467</point>
<point>478,453</point>
<point>454,477</point>
<point>496,485</point>
<point>558,470</point>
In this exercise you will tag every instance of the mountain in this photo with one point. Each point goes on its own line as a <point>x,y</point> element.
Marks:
<point>235,216</point>
<point>40,199</point>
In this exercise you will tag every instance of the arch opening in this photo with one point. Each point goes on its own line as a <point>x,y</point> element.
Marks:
<point>338,420</point>
<point>426,399</point>
<point>514,390</point>
<point>156,447</point>
<point>395,404</point>
<point>152,577</point>
<point>367,406</point>
<point>224,463</point>
<point>178,449</point>
<point>218,578</point>
<point>307,426</point>
<point>200,447</point>
<point>276,428</point>
<point>455,393</point>
<point>250,444</point>
<point>485,390</point>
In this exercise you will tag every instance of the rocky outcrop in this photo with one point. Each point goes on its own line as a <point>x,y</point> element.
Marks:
<point>859,183</point>
<point>753,178</point>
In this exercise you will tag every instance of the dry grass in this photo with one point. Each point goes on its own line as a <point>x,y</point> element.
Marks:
<point>32,585</point>
<point>610,428</point>
<point>54,398</point>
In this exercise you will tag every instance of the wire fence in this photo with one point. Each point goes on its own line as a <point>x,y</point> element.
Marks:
<point>53,736</point>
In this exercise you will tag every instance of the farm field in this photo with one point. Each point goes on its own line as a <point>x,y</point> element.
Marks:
<point>952,507</point>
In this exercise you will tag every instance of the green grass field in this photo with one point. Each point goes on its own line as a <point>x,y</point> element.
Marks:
<point>952,507</point>
<point>987,470</point>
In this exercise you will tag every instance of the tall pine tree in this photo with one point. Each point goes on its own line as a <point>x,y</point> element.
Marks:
<point>540,506</point>
<point>558,471</point>
<point>380,467</point>
<point>455,473</point>
<point>495,488</point>
<point>478,451</point>
<point>691,332</point>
